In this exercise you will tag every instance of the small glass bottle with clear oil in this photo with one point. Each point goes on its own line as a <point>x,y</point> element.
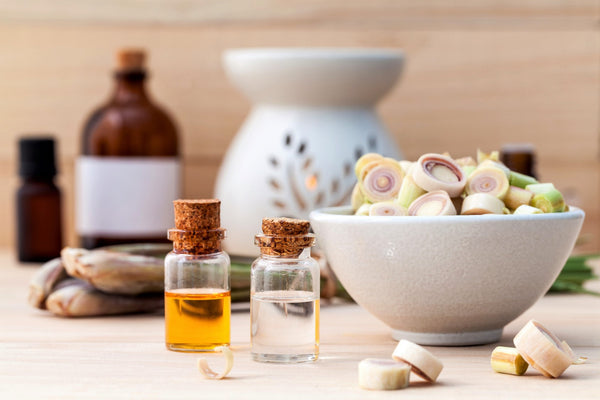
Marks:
<point>284,302</point>
<point>197,279</point>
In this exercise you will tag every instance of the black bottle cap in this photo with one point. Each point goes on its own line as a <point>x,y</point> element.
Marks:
<point>36,157</point>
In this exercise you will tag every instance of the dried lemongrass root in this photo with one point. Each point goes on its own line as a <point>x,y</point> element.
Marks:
<point>76,298</point>
<point>44,281</point>
<point>115,272</point>
<point>208,373</point>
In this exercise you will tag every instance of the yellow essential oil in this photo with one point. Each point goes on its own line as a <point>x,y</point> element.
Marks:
<point>197,319</point>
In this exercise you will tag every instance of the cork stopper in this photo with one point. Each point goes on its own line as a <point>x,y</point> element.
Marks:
<point>284,237</point>
<point>131,59</point>
<point>197,226</point>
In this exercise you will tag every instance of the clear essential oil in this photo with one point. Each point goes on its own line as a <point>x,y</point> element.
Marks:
<point>284,294</point>
<point>197,319</point>
<point>285,326</point>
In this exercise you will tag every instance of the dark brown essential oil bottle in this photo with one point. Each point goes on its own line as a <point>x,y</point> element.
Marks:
<point>39,228</point>
<point>129,171</point>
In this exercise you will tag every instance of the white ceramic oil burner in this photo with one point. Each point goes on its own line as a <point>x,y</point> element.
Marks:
<point>313,116</point>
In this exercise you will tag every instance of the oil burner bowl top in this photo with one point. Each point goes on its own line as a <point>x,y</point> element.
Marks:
<point>452,280</point>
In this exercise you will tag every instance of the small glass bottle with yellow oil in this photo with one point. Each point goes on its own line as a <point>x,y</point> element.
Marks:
<point>197,279</point>
<point>285,291</point>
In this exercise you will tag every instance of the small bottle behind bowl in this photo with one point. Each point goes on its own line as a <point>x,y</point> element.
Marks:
<point>197,279</point>
<point>284,301</point>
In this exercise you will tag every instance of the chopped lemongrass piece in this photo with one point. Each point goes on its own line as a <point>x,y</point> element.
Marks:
<point>438,172</point>
<point>540,187</point>
<point>488,179</point>
<point>422,362</point>
<point>380,180</point>
<point>406,166</point>
<point>481,203</point>
<point>383,374</point>
<point>516,196</point>
<point>542,349</point>
<point>507,360</point>
<point>386,208</point>
<point>357,199</point>
<point>525,209</point>
<point>466,162</point>
<point>433,203</point>
<point>364,209</point>
<point>409,192</point>
<point>521,180</point>
<point>481,156</point>
<point>468,170</point>
<point>364,160</point>
<point>208,372</point>
<point>549,202</point>
<point>495,164</point>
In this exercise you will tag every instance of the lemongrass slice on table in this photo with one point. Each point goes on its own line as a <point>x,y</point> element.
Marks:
<point>208,372</point>
<point>488,179</point>
<point>433,203</point>
<point>507,360</point>
<point>422,362</point>
<point>516,196</point>
<point>386,208</point>
<point>542,349</point>
<point>409,192</point>
<point>438,172</point>
<point>383,374</point>
<point>575,360</point>
<point>364,160</point>
<point>481,203</point>
<point>380,180</point>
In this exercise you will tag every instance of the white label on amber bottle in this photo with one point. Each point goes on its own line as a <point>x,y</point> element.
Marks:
<point>125,196</point>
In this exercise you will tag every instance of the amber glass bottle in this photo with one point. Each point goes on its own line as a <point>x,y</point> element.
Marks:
<point>128,173</point>
<point>39,229</point>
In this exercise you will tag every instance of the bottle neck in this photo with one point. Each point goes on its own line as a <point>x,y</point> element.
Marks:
<point>47,179</point>
<point>130,87</point>
<point>303,255</point>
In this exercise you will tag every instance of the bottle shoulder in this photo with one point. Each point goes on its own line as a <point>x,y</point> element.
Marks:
<point>134,129</point>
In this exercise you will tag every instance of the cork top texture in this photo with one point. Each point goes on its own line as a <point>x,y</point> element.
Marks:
<point>131,59</point>
<point>197,226</point>
<point>284,237</point>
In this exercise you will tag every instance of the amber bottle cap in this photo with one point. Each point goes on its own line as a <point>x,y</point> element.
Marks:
<point>131,59</point>
<point>197,226</point>
<point>284,237</point>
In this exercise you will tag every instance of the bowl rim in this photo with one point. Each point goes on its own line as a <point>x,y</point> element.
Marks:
<point>342,214</point>
<point>315,53</point>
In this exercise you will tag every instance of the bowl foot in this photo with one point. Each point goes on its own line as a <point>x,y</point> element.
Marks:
<point>449,339</point>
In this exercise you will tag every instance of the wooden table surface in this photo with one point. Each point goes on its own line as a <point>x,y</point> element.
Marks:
<point>45,357</point>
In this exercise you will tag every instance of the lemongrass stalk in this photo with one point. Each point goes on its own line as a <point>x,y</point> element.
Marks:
<point>516,196</point>
<point>521,180</point>
<point>549,202</point>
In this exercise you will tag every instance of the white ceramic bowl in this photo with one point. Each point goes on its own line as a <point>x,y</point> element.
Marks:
<point>452,280</point>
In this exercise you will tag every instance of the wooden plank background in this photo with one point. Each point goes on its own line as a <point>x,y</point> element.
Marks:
<point>479,74</point>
